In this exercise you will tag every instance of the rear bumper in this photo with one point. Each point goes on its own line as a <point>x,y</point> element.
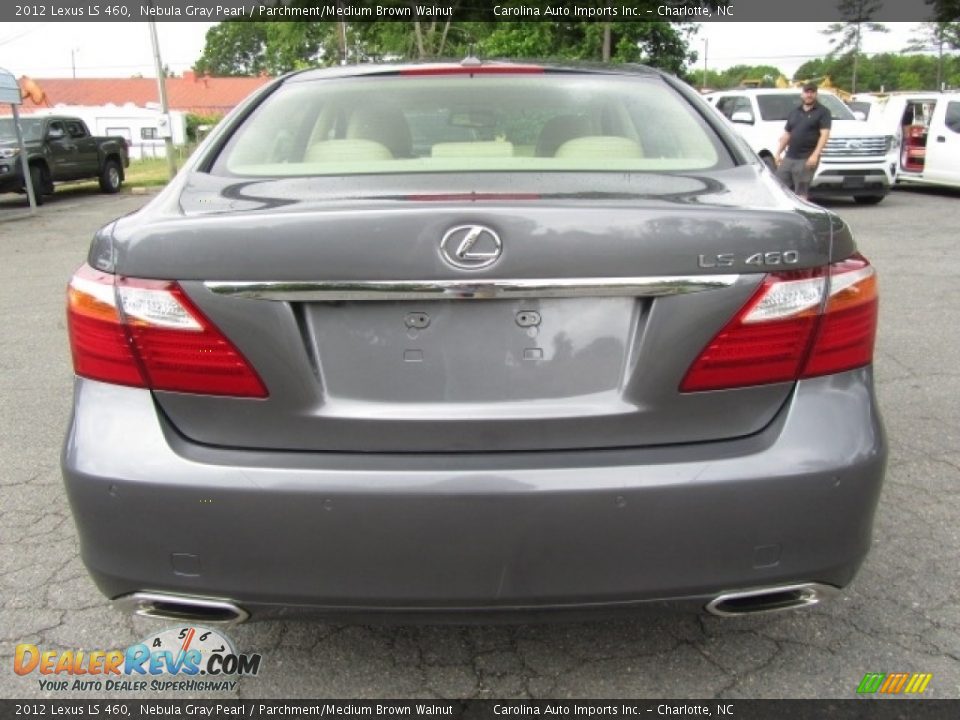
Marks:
<point>343,534</point>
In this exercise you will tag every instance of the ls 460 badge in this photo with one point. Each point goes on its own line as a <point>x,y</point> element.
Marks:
<point>764,259</point>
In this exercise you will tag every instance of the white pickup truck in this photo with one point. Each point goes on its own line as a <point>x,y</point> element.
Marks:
<point>856,161</point>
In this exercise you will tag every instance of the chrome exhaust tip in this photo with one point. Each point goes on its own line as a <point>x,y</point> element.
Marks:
<point>211,611</point>
<point>770,599</point>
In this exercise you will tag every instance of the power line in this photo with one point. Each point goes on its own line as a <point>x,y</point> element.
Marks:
<point>86,68</point>
<point>12,38</point>
<point>767,57</point>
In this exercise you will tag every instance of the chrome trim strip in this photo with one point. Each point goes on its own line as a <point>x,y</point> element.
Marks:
<point>334,290</point>
<point>144,604</point>
<point>808,594</point>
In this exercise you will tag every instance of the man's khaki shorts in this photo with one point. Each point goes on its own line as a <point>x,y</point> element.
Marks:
<point>794,173</point>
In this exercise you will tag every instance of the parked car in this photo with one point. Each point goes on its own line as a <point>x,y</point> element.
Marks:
<point>59,148</point>
<point>927,125</point>
<point>592,356</point>
<point>855,160</point>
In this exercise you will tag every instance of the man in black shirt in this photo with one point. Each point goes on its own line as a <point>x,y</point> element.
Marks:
<point>804,137</point>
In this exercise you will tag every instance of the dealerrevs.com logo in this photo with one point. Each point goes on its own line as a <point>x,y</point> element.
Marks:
<point>187,659</point>
<point>894,683</point>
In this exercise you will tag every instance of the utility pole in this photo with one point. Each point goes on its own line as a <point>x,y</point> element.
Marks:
<point>342,35</point>
<point>73,61</point>
<point>706,45</point>
<point>607,39</point>
<point>940,41</point>
<point>342,38</point>
<point>164,108</point>
<point>27,177</point>
<point>856,57</point>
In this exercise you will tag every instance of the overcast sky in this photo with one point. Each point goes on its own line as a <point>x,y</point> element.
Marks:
<point>123,49</point>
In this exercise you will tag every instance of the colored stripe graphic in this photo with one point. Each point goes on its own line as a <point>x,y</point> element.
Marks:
<point>918,683</point>
<point>894,683</point>
<point>871,683</point>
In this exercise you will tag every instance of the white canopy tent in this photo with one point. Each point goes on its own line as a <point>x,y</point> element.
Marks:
<point>10,94</point>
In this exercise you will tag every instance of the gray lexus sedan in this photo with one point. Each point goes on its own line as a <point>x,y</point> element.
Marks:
<point>473,340</point>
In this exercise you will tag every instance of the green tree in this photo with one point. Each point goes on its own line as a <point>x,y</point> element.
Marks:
<point>195,121</point>
<point>882,72</point>
<point>659,44</point>
<point>846,37</point>
<point>249,47</point>
<point>736,75</point>
<point>234,48</point>
<point>297,45</point>
<point>936,36</point>
<point>415,40</point>
<point>945,10</point>
<point>909,80</point>
<point>814,70</point>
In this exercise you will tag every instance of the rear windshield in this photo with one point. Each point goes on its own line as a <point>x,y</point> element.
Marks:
<point>863,107</point>
<point>461,123</point>
<point>778,106</point>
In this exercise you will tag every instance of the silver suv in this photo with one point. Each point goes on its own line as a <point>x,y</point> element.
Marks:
<point>472,338</point>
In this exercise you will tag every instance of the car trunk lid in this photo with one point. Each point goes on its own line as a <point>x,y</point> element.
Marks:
<point>370,340</point>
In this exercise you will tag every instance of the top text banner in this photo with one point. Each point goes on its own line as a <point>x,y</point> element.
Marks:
<point>460,11</point>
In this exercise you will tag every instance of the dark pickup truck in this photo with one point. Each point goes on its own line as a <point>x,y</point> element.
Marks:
<point>59,148</point>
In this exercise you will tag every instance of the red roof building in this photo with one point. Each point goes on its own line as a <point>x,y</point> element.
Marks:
<point>191,93</point>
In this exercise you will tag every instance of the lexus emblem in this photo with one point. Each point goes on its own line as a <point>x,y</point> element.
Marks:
<point>471,247</point>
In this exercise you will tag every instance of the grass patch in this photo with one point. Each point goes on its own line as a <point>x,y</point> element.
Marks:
<point>146,173</point>
<point>152,172</point>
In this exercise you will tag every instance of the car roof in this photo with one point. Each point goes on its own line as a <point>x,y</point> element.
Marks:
<point>473,65</point>
<point>768,91</point>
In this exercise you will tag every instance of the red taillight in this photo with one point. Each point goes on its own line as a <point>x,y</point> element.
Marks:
<point>98,341</point>
<point>147,333</point>
<point>849,325</point>
<point>786,331</point>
